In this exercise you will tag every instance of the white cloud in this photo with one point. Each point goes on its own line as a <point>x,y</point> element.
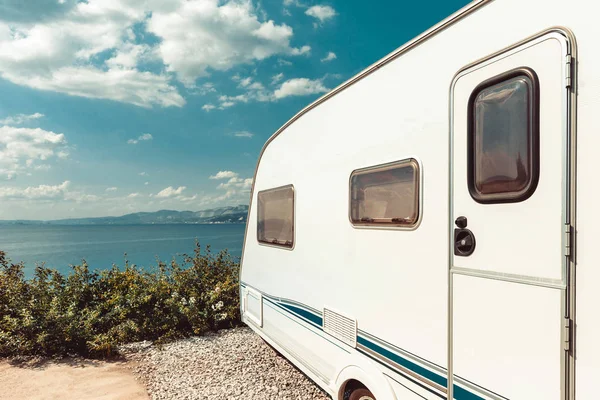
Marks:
<point>142,89</point>
<point>256,86</point>
<point>22,148</point>
<point>245,81</point>
<point>329,57</point>
<point>296,3</point>
<point>300,87</point>
<point>146,183</point>
<point>111,189</point>
<point>143,173</point>
<point>243,134</point>
<point>277,78</point>
<point>205,88</point>
<point>241,97</point>
<point>141,138</point>
<point>235,189</point>
<point>92,49</point>
<point>20,119</point>
<point>58,54</point>
<point>224,175</point>
<point>170,192</point>
<point>257,92</point>
<point>301,51</point>
<point>129,55</point>
<point>236,182</point>
<point>41,192</point>
<point>187,199</point>
<point>209,34</point>
<point>322,13</point>
<point>46,193</point>
<point>80,197</point>
<point>284,63</point>
<point>133,195</point>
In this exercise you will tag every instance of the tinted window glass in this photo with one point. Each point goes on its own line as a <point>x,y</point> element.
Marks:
<point>385,195</point>
<point>504,141</point>
<point>276,216</point>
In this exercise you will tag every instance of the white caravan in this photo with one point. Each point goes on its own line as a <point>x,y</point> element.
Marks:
<point>429,228</point>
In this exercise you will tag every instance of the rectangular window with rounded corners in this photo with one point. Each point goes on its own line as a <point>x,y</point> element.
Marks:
<point>276,216</point>
<point>386,195</point>
<point>503,138</point>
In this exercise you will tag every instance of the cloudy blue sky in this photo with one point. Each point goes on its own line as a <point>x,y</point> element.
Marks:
<point>117,106</point>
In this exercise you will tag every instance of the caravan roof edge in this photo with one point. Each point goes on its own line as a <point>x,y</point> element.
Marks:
<point>440,26</point>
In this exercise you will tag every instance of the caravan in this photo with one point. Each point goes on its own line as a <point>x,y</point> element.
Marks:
<point>429,228</point>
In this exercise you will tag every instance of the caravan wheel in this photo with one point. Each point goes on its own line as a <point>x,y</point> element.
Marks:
<point>362,394</point>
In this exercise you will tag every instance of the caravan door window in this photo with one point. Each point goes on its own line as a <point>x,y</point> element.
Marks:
<point>385,195</point>
<point>503,138</point>
<point>276,216</point>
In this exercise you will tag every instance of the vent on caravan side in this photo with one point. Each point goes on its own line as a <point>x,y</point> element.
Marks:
<point>340,327</point>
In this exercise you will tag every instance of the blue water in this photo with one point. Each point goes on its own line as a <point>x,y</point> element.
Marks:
<point>102,246</point>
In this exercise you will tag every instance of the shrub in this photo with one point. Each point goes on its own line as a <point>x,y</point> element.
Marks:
<point>90,313</point>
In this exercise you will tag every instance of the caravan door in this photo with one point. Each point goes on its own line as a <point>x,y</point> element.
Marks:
<point>509,202</point>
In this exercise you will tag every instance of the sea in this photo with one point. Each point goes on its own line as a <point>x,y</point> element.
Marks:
<point>101,246</point>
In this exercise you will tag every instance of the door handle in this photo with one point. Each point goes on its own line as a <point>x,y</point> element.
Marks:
<point>464,239</point>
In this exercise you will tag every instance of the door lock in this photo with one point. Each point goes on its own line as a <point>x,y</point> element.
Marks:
<point>464,240</point>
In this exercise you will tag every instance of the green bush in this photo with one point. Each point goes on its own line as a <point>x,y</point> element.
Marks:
<point>91,313</point>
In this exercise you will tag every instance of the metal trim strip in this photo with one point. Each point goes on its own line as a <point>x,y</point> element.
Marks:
<point>523,279</point>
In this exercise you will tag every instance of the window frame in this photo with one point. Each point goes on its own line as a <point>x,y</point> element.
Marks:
<point>277,245</point>
<point>533,131</point>
<point>418,166</point>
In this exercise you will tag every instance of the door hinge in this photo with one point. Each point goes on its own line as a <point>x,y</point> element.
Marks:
<point>569,69</point>
<point>567,240</point>
<point>567,334</point>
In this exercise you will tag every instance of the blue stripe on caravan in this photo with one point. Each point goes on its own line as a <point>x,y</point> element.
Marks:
<point>288,310</point>
<point>459,392</point>
<point>315,319</point>
<point>424,385</point>
<point>463,394</point>
<point>425,373</point>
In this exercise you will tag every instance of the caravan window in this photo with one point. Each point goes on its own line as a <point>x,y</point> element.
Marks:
<point>276,216</point>
<point>385,195</point>
<point>503,138</point>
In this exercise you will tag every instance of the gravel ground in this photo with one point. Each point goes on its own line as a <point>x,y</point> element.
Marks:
<point>232,364</point>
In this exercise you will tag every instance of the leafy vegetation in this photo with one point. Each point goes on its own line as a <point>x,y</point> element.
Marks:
<point>91,313</point>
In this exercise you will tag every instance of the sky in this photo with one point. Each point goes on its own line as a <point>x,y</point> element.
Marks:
<point>117,106</point>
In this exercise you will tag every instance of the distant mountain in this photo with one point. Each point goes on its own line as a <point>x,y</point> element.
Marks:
<point>221,215</point>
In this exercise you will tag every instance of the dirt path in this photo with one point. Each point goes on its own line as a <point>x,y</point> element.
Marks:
<point>69,380</point>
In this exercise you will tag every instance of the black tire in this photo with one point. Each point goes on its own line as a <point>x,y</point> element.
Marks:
<point>362,394</point>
